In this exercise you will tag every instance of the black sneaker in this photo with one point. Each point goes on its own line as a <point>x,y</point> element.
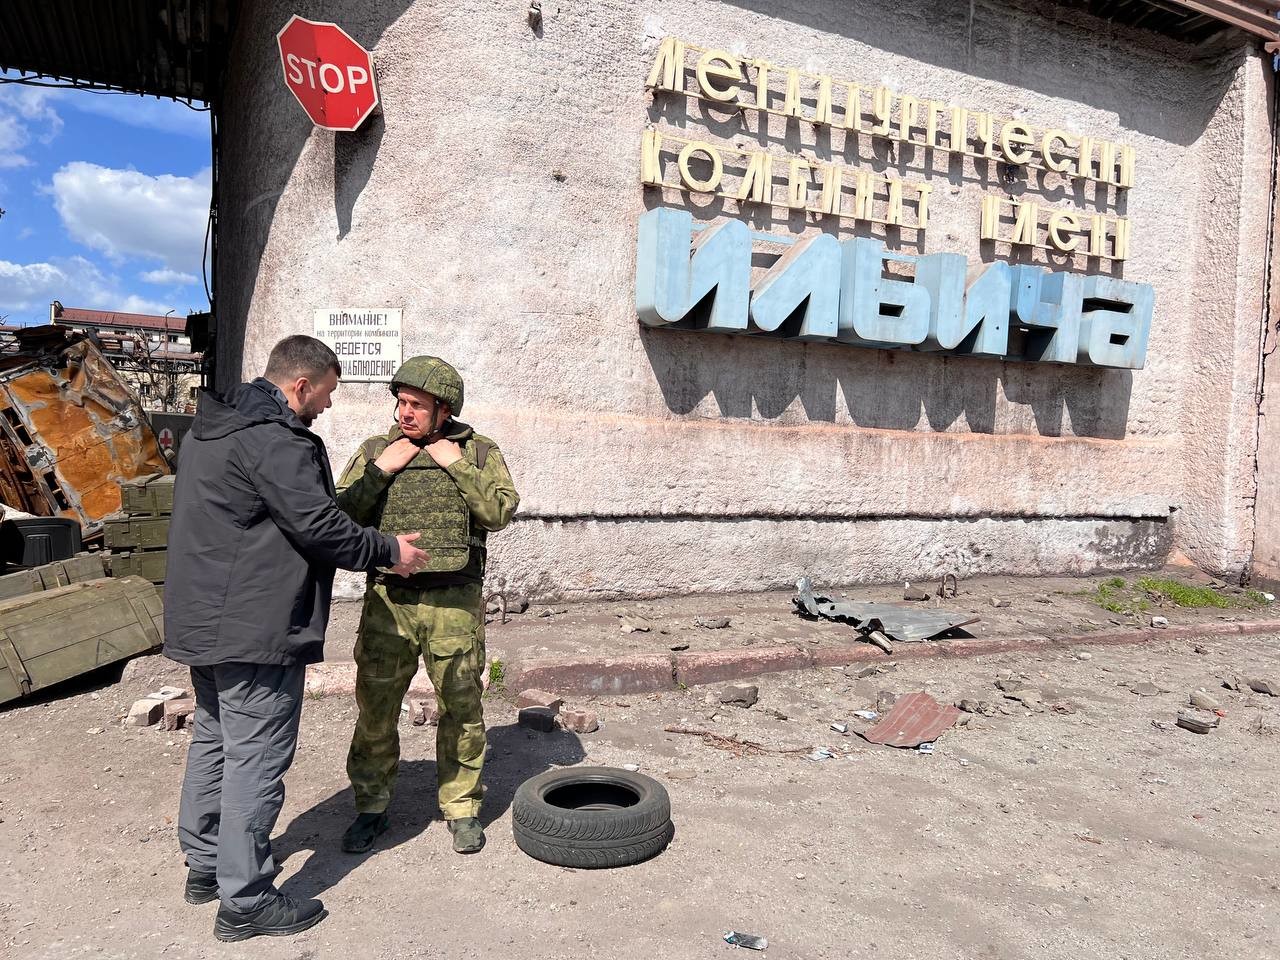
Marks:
<point>281,917</point>
<point>468,834</point>
<point>363,831</point>
<point>201,887</point>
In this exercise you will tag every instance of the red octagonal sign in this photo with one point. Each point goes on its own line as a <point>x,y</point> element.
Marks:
<point>330,74</point>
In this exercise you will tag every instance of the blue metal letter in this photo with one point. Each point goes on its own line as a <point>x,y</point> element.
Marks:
<point>809,274</point>
<point>876,310</point>
<point>670,282</point>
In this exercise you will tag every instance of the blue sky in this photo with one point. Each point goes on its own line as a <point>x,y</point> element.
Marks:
<point>105,199</point>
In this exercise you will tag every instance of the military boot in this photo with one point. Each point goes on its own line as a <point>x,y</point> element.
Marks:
<point>468,835</point>
<point>363,831</point>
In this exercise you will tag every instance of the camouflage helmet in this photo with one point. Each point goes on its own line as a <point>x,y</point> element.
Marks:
<point>431,375</point>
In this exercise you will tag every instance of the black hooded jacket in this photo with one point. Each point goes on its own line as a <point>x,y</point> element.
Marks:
<point>256,536</point>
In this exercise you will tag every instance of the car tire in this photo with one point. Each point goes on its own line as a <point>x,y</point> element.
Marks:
<point>592,817</point>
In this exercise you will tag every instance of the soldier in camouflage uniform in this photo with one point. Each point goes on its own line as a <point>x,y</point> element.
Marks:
<point>433,475</point>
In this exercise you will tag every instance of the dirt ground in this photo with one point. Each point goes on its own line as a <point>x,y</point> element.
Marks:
<point>1045,835</point>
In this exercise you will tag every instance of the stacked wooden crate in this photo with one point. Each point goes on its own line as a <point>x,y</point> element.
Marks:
<point>138,534</point>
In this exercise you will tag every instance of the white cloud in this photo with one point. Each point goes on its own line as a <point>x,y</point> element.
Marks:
<point>124,213</point>
<point>168,278</point>
<point>167,116</point>
<point>26,115</point>
<point>26,290</point>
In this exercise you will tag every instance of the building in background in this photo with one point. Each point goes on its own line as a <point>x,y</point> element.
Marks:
<point>152,353</point>
<point>499,210</point>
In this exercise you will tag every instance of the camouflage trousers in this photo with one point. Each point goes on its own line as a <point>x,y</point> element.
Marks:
<point>444,626</point>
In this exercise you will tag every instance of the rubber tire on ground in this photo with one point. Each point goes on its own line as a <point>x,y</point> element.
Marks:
<point>592,838</point>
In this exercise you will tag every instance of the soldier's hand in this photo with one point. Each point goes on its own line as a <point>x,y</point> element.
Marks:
<point>444,452</point>
<point>412,560</point>
<point>397,456</point>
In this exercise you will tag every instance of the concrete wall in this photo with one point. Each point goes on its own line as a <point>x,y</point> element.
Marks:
<point>655,461</point>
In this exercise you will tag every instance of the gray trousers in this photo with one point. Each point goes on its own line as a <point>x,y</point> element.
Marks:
<point>246,729</point>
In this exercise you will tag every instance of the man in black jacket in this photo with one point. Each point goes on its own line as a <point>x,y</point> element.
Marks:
<point>255,538</point>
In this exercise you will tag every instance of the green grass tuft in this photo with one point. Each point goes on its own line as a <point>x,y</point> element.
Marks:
<point>1181,595</point>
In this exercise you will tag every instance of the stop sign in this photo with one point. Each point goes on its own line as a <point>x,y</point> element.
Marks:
<point>329,73</point>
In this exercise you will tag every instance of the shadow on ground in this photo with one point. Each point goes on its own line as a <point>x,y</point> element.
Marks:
<point>515,755</point>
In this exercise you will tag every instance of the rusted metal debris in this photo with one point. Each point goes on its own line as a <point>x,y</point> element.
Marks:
<point>915,719</point>
<point>70,428</point>
<point>908,624</point>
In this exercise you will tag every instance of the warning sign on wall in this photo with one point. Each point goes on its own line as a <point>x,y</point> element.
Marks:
<point>367,341</point>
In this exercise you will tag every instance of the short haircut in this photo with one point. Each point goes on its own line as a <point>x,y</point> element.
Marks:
<point>300,356</point>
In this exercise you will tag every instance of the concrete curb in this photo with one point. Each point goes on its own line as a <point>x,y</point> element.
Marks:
<point>649,673</point>
<point>646,674</point>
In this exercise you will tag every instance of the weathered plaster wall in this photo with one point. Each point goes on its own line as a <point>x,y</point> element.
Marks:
<point>655,461</point>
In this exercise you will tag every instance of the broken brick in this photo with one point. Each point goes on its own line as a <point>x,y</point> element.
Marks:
<point>538,718</point>
<point>145,712</point>
<point>178,713</point>
<point>539,698</point>
<point>579,721</point>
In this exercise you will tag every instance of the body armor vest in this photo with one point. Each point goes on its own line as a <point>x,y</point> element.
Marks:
<point>424,499</point>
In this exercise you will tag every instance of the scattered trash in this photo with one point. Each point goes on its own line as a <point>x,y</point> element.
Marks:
<point>631,767</point>
<point>1145,689</point>
<point>1201,699</point>
<point>822,753</point>
<point>740,694</point>
<point>962,761</point>
<point>1160,622</point>
<point>925,748</point>
<point>880,640</point>
<point>913,593</point>
<point>915,719</point>
<point>1000,602</point>
<point>840,727</point>
<point>1268,687</point>
<point>748,940</point>
<point>711,623</point>
<point>1196,721</point>
<point>734,745</point>
<point>896,622</point>
<point>1269,597</point>
<point>865,715</point>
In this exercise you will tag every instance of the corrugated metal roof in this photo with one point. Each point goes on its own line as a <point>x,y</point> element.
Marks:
<point>79,316</point>
<point>168,48</point>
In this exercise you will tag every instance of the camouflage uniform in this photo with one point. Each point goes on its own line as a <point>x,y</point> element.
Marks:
<point>437,614</point>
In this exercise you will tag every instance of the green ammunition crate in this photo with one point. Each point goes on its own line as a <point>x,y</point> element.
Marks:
<point>50,576</point>
<point>57,634</point>
<point>150,496</point>
<point>123,532</point>
<point>147,564</point>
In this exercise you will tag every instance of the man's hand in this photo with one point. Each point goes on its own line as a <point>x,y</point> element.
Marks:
<point>444,452</point>
<point>397,456</point>
<point>412,560</point>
